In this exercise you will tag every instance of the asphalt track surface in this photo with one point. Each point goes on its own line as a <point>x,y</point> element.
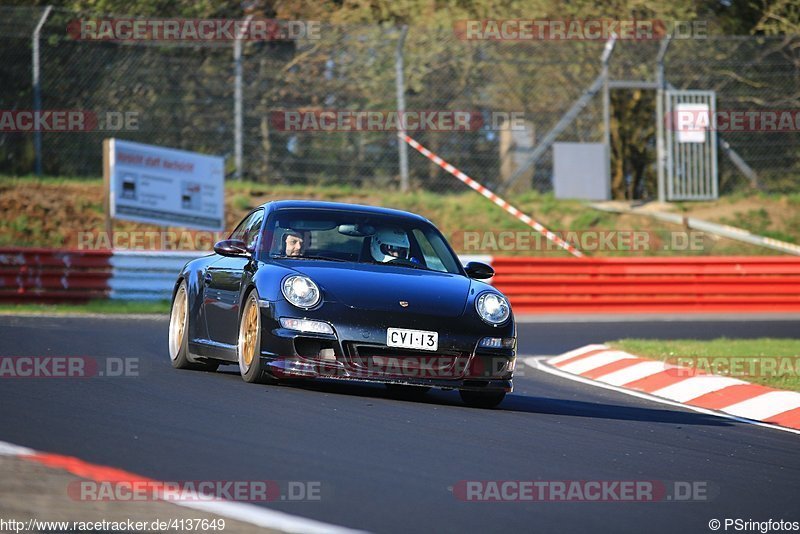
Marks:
<point>385,463</point>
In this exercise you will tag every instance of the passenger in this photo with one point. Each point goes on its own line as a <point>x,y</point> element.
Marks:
<point>389,244</point>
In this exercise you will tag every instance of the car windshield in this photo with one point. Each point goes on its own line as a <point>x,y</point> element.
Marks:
<point>359,237</point>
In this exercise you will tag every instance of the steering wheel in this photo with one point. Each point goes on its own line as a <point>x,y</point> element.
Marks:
<point>405,261</point>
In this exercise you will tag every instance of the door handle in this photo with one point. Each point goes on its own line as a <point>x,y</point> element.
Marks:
<point>207,278</point>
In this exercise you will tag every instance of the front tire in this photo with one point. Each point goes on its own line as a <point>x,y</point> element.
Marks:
<point>249,346</point>
<point>482,399</point>
<point>179,334</point>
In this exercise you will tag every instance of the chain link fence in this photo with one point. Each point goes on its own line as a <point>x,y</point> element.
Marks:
<point>182,96</point>
<point>748,74</point>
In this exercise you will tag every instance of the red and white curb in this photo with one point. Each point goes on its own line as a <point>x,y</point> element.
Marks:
<point>244,512</point>
<point>599,365</point>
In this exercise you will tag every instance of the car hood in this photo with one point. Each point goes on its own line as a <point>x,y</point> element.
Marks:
<point>381,287</point>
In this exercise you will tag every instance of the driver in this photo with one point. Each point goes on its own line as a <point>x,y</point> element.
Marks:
<point>389,244</point>
<point>294,244</point>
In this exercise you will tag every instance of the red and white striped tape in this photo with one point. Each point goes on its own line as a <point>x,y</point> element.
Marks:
<point>491,196</point>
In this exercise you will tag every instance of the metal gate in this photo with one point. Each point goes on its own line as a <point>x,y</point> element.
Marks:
<point>691,145</point>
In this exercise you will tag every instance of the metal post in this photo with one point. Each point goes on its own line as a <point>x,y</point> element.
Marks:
<point>400,85</point>
<point>37,89</point>
<point>661,154</point>
<point>238,122</point>
<point>609,48</point>
<point>607,119</point>
<point>550,137</point>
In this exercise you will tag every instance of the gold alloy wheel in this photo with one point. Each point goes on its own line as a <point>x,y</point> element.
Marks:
<point>177,322</point>
<point>248,334</point>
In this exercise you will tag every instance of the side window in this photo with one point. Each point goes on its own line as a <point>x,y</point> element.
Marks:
<point>253,226</point>
<point>247,230</point>
<point>239,231</point>
<point>432,259</point>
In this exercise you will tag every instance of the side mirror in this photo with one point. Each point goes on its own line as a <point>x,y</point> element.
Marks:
<point>232,248</point>
<point>478,270</point>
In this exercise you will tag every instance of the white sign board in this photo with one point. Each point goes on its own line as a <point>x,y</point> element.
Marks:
<point>580,170</point>
<point>164,186</point>
<point>692,122</point>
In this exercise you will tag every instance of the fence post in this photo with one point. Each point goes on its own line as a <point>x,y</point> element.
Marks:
<point>609,48</point>
<point>238,122</point>
<point>661,155</point>
<point>37,89</point>
<point>400,85</point>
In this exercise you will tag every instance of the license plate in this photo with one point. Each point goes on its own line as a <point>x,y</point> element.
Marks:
<point>412,339</point>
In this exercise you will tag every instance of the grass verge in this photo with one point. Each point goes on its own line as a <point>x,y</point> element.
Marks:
<point>115,307</point>
<point>57,211</point>
<point>773,362</point>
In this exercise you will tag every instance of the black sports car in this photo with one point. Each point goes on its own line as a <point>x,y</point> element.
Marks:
<point>306,289</point>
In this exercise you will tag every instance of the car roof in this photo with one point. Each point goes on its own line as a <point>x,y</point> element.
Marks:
<point>342,206</point>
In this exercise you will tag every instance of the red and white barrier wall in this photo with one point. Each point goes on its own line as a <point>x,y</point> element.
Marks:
<point>721,284</point>
<point>44,275</point>
<point>534,285</point>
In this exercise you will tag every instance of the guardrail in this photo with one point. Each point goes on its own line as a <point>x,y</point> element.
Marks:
<point>663,285</point>
<point>44,275</point>
<point>148,275</point>
<point>534,285</point>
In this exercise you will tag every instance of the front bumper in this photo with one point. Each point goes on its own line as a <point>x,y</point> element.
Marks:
<point>357,350</point>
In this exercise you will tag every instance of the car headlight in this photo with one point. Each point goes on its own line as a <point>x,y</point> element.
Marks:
<point>300,291</point>
<point>492,308</point>
<point>306,325</point>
